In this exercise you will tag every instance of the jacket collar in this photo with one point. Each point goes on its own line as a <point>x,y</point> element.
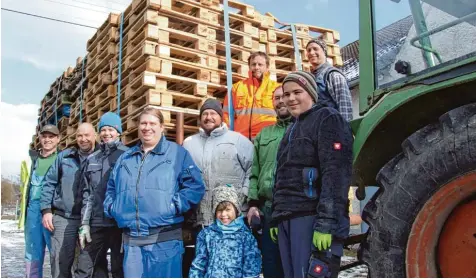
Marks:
<point>283,122</point>
<point>74,151</point>
<point>159,148</point>
<point>314,108</point>
<point>220,131</point>
<point>255,81</point>
<point>321,68</point>
<point>110,146</point>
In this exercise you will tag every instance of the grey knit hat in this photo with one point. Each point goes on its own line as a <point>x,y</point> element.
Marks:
<point>212,104</point>
<point>225,193</point>
<point>305,80</point>
<point>320,42</point>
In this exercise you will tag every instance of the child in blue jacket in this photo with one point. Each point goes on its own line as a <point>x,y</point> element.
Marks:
<point>226,248</point>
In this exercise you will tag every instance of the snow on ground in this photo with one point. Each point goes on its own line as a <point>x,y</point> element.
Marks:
<point>13,251</point>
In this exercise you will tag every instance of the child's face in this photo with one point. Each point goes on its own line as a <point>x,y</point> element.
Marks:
<point>227,215</point>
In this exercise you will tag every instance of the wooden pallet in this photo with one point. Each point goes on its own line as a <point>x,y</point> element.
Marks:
<point>103,31</point>
<point>100,100</point>
<point>286,64</point>
<point>98,83</point>
<point>101,62</point>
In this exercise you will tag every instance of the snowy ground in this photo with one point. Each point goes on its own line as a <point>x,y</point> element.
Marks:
<point>13,249</point>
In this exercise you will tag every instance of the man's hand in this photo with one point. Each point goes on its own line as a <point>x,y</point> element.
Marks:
<point>84,235</point>
<point>322,240</point>
<point>48,221</point>
<point>274,234</point>
<point>254,211</point>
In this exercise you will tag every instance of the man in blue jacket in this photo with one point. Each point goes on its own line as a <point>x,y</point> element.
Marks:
<point>150,188</point>
<point>60,201</point>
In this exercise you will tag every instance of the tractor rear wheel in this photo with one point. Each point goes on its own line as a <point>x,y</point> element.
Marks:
<point>422,221</point>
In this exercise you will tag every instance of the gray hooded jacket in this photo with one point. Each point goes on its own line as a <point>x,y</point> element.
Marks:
<point>225,157</point>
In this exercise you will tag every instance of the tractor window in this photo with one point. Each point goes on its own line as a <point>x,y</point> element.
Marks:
<point>398,23</point>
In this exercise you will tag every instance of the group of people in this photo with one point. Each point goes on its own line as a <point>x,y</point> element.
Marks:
<point>270,197</point>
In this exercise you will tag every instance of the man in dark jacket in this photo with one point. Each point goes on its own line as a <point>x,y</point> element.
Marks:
<point>260,194</point>
<point>101,232</point>
<point>313,176</point>
<point>331,82</point>
<point>60,201</point>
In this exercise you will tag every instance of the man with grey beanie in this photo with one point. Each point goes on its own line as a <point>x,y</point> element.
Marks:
<point>224,156</point>
<point>310,211</point>
<point>332,84</point>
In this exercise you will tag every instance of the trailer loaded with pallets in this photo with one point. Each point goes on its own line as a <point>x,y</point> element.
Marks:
<point>173,55</point>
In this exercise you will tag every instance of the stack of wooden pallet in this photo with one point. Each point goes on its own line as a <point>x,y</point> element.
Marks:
<point>56,106</point>
<point>173,56</point>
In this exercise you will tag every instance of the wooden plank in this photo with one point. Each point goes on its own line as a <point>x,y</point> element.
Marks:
<point>111,21</point>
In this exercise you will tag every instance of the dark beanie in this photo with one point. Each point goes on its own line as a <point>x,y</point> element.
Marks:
<point>321,43</point>
<point>305,80</point>
<point>212,104</point>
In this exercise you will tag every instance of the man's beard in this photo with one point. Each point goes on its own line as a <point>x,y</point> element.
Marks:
<point>283,115</point>
<point>215,125</point>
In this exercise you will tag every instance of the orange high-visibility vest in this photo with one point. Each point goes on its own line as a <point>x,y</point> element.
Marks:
<point>253,104</point>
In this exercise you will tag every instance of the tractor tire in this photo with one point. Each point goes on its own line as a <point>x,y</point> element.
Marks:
<point>432,157</point>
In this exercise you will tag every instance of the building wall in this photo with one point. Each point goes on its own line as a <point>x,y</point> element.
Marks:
<point>450,43</point>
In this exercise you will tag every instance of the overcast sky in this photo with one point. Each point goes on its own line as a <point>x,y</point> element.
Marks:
<point>35,51</point>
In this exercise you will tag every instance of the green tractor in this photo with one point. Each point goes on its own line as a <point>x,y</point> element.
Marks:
<point>416,141</point>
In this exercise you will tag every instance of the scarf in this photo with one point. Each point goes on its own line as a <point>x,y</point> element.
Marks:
<point>234,226</point>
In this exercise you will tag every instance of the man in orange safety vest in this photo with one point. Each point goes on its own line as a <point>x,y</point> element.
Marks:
<point>253,98</point>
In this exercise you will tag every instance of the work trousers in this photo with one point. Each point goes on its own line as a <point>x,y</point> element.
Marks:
<point>159,260</point>
<point>272,267</point>
<point>92,261</point>
<point>63,244</point>
<point>37,238</point>
<point>295,246</point>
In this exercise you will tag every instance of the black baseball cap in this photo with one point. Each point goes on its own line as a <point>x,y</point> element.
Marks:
<point>50,129</point>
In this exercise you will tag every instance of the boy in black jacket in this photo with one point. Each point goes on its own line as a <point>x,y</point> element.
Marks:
<point>313,176</point>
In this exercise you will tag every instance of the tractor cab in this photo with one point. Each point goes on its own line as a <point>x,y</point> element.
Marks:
<point>415,138</point>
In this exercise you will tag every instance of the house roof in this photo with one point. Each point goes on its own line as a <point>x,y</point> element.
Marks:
<point>388,42</point>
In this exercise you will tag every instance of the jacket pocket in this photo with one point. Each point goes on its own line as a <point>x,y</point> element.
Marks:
<point>124,179</point>
<point>94,173</point>
<point>309,176</point>
<point>160,176</point>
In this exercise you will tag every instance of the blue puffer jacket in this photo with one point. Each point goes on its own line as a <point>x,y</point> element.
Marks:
<point>222,254</point>
<point>152,190</point>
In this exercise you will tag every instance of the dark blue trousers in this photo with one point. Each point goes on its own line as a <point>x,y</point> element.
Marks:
<point>272,267</point>
<point>159,260</point>
<point>295,243</point>
<point>295,246</point>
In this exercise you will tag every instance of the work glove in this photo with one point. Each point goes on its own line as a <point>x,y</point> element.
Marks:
<point>84,235</point>
<point>322,240</point>
<point>274,234</point>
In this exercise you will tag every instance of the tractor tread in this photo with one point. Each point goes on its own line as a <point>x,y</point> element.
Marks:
<point>430,157</point>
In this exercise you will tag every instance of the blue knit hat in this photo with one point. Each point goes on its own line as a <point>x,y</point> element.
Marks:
<point>112,120</point>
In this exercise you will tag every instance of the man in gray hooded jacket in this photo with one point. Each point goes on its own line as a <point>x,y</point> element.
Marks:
<point>224,156</point>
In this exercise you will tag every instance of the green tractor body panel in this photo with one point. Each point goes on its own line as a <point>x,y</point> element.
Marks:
<point>396,110</point>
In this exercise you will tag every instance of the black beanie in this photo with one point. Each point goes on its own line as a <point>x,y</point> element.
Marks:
<point>212,104</point>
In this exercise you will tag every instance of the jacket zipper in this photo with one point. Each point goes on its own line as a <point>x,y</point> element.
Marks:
<point>137,192</point>
<point>311,177</point>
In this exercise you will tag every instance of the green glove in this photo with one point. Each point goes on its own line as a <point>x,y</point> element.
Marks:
<point>322,240</point>
<point>274,234</point>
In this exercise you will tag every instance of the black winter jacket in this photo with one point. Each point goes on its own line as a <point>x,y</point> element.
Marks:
<point>313,175</point>
<point>94,177</point>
